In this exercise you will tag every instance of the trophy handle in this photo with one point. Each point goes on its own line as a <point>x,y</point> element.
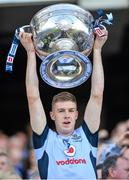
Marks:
<point>102,27</point>
<point>26,28</point>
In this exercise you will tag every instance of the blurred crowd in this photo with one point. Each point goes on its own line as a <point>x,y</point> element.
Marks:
<point>113,152</point>
<point>17,160</point>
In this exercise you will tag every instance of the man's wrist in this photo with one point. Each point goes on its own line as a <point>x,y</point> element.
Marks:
<point>32,51</point>
<point>96,49</point>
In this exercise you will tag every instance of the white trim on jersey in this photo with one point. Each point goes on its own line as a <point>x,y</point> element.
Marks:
<point>39,152</point>
<point>94,151</point>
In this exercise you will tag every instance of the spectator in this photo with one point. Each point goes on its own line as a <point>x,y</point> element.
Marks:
<point>32,164</point>
<point>16,156</point>
<point>5,164</point>
<point>125,152</point>
<point>35,175</point>
<point>115,167</point>
<point>3,142</point>
<point>118,130</point>
<point>9,175</point>
<point>99,170</point>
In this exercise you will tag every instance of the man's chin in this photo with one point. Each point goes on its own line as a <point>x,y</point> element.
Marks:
<point>67,132</point>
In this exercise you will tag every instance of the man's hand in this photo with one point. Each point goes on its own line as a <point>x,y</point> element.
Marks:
<point>26,41</point>
<point>123,140</point>
<point>100,41</point>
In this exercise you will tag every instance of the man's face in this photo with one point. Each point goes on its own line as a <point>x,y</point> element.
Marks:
<point>4,163</point>
<point>64,114</point>
<point>126,154</point>
<point>122,169</point>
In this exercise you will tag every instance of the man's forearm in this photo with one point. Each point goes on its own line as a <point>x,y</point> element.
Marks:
<point>97,84</point>
<point>31,75</point>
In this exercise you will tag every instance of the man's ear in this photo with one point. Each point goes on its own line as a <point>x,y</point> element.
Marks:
<point>52,116</point>
<point>112,172</point>
<point>76,115</point>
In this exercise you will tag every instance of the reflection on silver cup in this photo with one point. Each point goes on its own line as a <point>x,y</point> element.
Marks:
<point>63,38</point>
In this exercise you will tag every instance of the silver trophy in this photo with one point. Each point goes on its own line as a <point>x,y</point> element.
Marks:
<point>63,36</point>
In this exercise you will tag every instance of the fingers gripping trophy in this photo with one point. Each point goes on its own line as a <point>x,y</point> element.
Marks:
<point>63,37</point>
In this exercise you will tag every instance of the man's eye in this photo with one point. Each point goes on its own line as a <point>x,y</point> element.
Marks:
<point>72,110</point>
<point>61,110</point>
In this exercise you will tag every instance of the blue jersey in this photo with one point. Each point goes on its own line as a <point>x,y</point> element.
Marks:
<point>72,157</point>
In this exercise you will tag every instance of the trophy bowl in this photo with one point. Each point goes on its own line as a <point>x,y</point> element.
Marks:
<point>63,38</point>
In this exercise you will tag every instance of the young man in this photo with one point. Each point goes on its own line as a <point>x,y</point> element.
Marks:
<point>65,153</point>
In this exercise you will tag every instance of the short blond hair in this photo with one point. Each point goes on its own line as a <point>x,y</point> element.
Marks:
<point>63,96</point>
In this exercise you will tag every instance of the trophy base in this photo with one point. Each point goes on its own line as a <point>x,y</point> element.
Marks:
<point>65,69</point>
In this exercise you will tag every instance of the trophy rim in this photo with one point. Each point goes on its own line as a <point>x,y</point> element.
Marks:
<point>63,6</point>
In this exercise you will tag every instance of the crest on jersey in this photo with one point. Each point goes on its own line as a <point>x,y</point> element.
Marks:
<point>76,138</point>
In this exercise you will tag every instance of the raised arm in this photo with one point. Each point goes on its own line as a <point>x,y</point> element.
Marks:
<point>37,113</point>
<point>94,106</point>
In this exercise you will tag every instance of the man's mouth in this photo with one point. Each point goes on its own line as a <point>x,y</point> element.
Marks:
<point>68,122</point>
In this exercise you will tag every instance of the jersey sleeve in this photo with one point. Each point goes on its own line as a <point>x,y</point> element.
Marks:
<point>43,142</point>
<point>39,142</point>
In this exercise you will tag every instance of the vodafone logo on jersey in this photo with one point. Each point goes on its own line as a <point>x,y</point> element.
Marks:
<point>71,161</point>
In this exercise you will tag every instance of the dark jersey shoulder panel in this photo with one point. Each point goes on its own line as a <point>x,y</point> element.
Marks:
<point>92,137</point>
<point>39,140</point>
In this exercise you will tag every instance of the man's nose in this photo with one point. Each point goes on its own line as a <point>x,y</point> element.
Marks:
<point>67,113</point>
